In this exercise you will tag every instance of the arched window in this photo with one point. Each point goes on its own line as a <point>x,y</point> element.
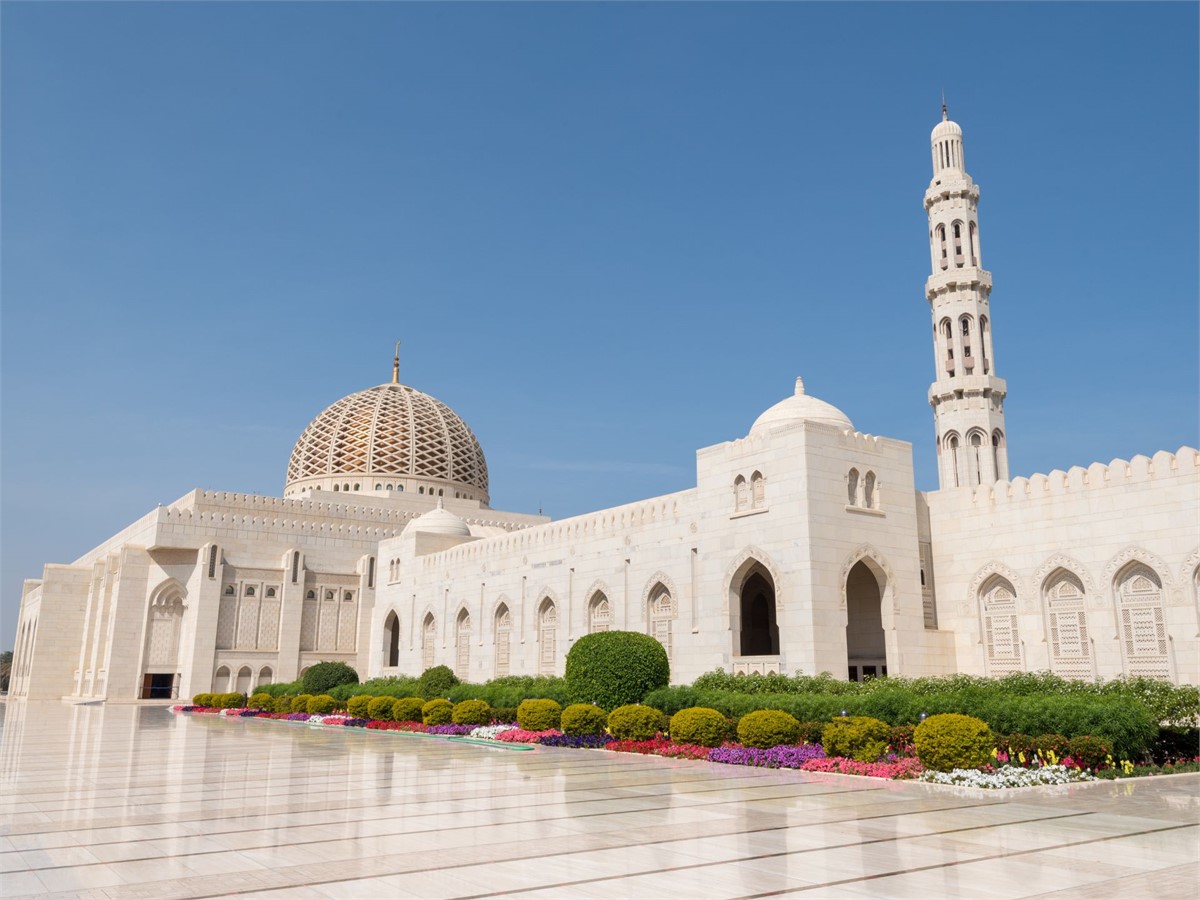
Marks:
<point>757,490</point>
<point>948,344</point>
<point>1001,639</point>
<point>941,239</point>
<point>977,456</point>
<point>952,457</point>
<point>503,640</point>
<point>311,595</point>
<point>243,680</point>
<point>336,488</point>
<point>399,489</point>
<point>958,250</point>
<point>599,613</point>
<point>270,592</point>
<point>346,486</point>
<point>852,488</point>
<point>221,681</point>
<point>660,614</point>
<point>997,443</point>
<point>428,641</point>
<point>249,590</point>
<point>985,344</point>
<point>357,486</point>
<point>230,590</point>
<point>869,491</point>
<point>420,490</point>
<point>1142,621</point>
<point>740,499</point>
<point>973,233</point>
<point>391,639</point>
<point>1066,614</point>
<point>462,646</point>
<point>265,674</point>
<point>379,487</point>
<point>547,637</point>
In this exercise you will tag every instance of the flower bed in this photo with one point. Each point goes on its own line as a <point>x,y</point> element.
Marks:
<point>1009,777</point>
<point>898,768</point>
<point>781,757</point>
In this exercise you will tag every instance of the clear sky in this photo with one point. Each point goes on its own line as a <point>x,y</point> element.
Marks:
<point>608,235</point>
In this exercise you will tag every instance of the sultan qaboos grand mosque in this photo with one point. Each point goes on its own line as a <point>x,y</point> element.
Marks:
<point>803,547</point>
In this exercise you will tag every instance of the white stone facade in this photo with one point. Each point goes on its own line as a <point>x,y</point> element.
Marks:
<point>803,547</point>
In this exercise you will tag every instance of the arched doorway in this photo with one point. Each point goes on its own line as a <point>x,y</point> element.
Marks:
<point>391,639</point>
<point>759,633</point>
<point>866,648</point>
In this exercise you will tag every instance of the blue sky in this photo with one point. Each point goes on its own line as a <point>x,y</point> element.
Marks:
<point>607,235</point>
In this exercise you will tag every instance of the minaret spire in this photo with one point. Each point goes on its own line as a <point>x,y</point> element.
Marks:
<point>967,396</point>
<point>396,365</point>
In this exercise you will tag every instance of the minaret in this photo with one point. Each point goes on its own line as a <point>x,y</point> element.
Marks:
<point>967,397</point>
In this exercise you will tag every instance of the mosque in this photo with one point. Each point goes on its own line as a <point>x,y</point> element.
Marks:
<point>803,547</point>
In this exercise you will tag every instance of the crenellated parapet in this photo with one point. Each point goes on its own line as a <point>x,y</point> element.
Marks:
<point>1119,473</point>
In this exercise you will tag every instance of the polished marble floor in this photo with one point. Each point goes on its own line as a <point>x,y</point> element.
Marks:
<point>125,802</point>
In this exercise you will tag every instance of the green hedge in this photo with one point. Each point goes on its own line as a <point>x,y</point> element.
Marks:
<point>1127,722</point>
<point>698,725</point>
<point>377,687</point>
<point>634,722</point>
<point>615,668</point>
<point>437,712</point>
<point>509,692</point>
<point>436,682</point>
<point>859,737</point>
<point>471,712</point>
<point>539,715</point>
<point>324,676</point>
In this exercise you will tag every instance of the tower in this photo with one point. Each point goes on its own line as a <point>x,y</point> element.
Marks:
<point>966,396</point>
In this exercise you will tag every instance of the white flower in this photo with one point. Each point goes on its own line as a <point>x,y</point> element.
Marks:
<point>1007,777</point>
<point>489,732</point>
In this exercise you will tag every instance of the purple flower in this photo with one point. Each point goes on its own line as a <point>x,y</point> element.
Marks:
<point>785,756</point>
<point>449,729</point>
<point>355,723</point>
<point>297,717</point>
<point>577,741</point>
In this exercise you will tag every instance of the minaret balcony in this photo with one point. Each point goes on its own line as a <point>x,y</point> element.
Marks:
<point>955,279</point>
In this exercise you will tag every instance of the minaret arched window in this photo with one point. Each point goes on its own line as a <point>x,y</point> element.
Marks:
<point>968,358</point>
<point>997,443</point>
<point>958,250</point>
<point>948,334</point>
<point>985,344</point>
<point>977,456</point>
<point>952,457</point>
<point>941,237</point>
<point>973,242</point>
<point>852,488</point>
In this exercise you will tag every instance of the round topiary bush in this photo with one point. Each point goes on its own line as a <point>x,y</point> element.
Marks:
<point>437,712</point>
<point>471,712</point>
<point>232,700</point>
<point>202,700</point>
<point>357,706</point>
<point>299,703</point>
<point>261,701</point>
<point>406,709</point>
<point>952,741</point>
<point>634,722</point>
<point>857,737</point>
<point>380,709</point>
<point>583,718</point>
<point>325,675</point>
<point>698,725</point>
<point>321,705</point>
<point>436,682</point>
<point>1089,752</point>
<point>767,728</point>
<point>539,715</point>
<point>615,668</point>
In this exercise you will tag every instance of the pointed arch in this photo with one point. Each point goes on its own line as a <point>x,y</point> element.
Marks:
<point>1070,564</point>
<point>658,578</point>
<point>999,626</point>
<point>599,607</point>
<point>986,571</point>
<point>1134,553</point>
<point>752,591</point>
<point>879,566</point>
<point>391,639</point>
<point>428,640</point>
<point>547,624</point>
<point>462,644</point>
<point>1139,592</point>
<point>502,636</point>
<point>1064,601</point>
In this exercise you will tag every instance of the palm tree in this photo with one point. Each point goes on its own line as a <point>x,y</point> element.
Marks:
<point>5,669</point>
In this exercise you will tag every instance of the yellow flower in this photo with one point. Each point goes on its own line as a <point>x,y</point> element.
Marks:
<point>1021,757</point>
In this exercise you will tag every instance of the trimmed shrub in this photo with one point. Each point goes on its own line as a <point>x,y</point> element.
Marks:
<point>232,700</point>
<point>299,703</point>
<point>505,714</point>
<point>615,668</point>
<point>325,675</point>
<point>407,709</point>
<point>202,700</point>
<point>539,715</point>
<point>767,728</point>
<point>673,699</point>
<point>437,712</point>
<point>260,700</point>
<point>634,722</point>
<point>357,707</point>
<point>583,718</point>
<point>471,712</point>
<point>698,725</point>
<point>1046,744</point>
<point>811,732</point>
<point>436,682</point>
<point>857,737</point>
<point>952,741</point>
<point>1089,752</point>
<point>321,705</point>
<point>380,709</point>
<point>281,690</point>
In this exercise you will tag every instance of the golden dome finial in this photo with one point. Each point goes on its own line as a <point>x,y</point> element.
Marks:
<point>396,365</point>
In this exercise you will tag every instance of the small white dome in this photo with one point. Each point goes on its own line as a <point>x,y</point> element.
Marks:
<point>440,521</point>
<point>800,407</point>
<point>945,128</point>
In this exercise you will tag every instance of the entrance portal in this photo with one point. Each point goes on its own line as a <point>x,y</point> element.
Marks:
<point>866,649</point>
<point>759,633</point>
<point>158,687</point>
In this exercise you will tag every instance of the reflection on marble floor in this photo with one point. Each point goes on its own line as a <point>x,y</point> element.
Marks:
<point>136,802</point>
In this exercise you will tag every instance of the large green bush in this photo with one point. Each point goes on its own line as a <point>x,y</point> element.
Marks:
<point>615,668</point>
<point>634,722</point>
<point>437,712</point>
<point>321,705</point>
<point>299,703</point>
<point>407,709</point>
<point>583,718</point>
<point>260,700</point>
<point>202,700</point>
<point>858,737</point>
<point>436,682</point>
<point>767,728</point>
<point>951,741</point>
<point>698,725</point>
<point>393,687</point>
<point>471,712</point>
<point>539,715</point>
<point>323,676</point>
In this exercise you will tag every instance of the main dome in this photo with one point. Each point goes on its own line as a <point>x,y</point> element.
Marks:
<point>800,407</point>
<point>389,438</point>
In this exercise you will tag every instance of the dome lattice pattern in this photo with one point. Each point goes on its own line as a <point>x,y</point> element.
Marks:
<point>391,429</point>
